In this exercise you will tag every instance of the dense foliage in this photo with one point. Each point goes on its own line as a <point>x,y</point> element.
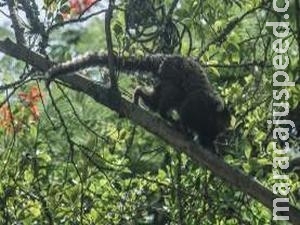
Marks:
<point>67,160</point>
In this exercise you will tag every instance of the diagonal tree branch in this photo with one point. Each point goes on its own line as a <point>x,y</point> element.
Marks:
<point>157,126</point>
<point>16,24</point>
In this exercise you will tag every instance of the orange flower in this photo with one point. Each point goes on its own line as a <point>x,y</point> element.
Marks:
<point>6,117</point>
<point>30,99</point>
<point>33,96</point>
<point>35,112</point>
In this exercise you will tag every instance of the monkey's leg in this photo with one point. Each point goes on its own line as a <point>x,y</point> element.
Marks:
<point>170,98</point>
<point>195,116</point>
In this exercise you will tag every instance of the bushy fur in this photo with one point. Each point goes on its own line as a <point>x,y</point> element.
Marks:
<point>184,87</point>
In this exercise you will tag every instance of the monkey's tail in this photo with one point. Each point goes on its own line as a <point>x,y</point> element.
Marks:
<point>148,63</point>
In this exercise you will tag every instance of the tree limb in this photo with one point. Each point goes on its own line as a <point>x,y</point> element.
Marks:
<point>109,43</point>
<point>16,24</point>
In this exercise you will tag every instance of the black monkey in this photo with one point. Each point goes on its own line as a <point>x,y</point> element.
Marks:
<point>184,87</point>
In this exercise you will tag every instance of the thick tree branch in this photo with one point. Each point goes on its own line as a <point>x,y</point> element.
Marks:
<point>19,30</point>
<point>157,126</point>
<point>109,43</point>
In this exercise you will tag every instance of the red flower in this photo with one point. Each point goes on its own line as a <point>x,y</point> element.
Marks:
<point>78,6</point>
<point>6,116</point>
<point>30,99</point>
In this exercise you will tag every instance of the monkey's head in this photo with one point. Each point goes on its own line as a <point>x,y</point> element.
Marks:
<point>171,68</point>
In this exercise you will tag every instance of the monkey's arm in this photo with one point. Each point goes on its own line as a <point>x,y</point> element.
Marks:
<point>163,99</point>
<point>149,98</point>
